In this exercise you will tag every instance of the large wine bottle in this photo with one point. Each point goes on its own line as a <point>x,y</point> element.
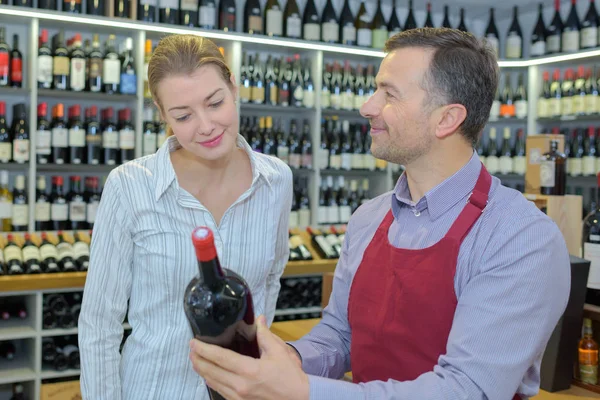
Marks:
<point>218,303</point>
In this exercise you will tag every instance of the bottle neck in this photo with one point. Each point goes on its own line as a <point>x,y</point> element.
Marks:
<point>211,273</point>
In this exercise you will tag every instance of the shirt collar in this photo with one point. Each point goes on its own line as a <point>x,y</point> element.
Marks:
<point>442,197</point>
<point>165,174</point>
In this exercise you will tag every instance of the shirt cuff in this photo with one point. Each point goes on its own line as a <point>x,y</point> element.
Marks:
<point>327,389</point>
<point>312,359</point>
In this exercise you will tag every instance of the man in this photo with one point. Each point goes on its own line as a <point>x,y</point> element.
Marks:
<point>447,288</point>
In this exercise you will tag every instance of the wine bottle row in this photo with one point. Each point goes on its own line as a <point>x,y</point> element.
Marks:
<point>282,82</point>
<point>576,94</point>
<point>348,88</point>
<point>300,213</point>
<point>11,309</point>
<point>299,293</point>
<point>31,254</point>
<point>83,66</point>
<point>61,310</point>
<point>11,62</point>
<point>509,158</point>
<point>60,353</point>
<point>510,103</point>
<point>582,150</point>
<point>337,203</point>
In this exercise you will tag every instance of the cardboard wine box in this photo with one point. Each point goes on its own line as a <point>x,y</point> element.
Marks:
<point>536,146</point>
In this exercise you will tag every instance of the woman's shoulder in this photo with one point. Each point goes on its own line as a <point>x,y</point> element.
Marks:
<point>276,170</point>
<point>135,172</point>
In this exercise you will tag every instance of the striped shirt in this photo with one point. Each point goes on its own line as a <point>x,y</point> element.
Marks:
<point>512,283</point>
<point>142,252</point>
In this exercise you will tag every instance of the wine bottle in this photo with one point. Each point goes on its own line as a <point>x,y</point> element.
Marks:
<point>321,244</point>
<point>347,28</point>
<point>188,15</point>
<point>589,28</point>
<point>505,161</point>
<point>81,250</point>
<point>20,208</point>
<point>31,256</point>
<point>71,6</point>
<point>76,136</point>
<point>49,255</point>
<point>330,28</point>
<point>93,138</point>
<point>16,64</point>
<point>128,80</point>
<point>95,65</point>
<point>411,22</point>
<point>538,37</point>
<point>110,138</point>
<point>379,27</point>
<point>514,39</point>
<point>168,11</point>
<point>126,135</point>
<point>60,136</point>
<point>44,62</point>
<point>292,23</point>
<point>571,30</point>
<point>461,25</point>
<point>92,198</point>
<point>227,12</point>
<point>77,204</point>
<point>13,256</point>
<point>20,134</point>
<point>111,68</point>
<point>207,14</point>
<point>553,174</point>
<point>6,200</point>
<point>253,20</point>
<point>77,72</point>
<point>59,208</point>
<point>297,246</point>
<point>228,319</point>
<point>520,99</point>
<point>492,161</point>
<point>555,30</point>
<point>96,7</point>
<point>589,155</point>
<point>273,18</point>
<point>446,21</point>
<point>364,32</point>
<point>429,18</point>
<point>61,64</point>
<point>42,206</point>
<point>44,135</point>
<point>65,254</point>
<point>394,23</point>
<point>4,59</point>
<point>147,10</point>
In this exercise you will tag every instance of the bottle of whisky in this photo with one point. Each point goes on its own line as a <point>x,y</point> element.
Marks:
<point>588,355</point>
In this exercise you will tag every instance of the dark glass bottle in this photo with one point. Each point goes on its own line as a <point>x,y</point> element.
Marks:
<point>553,171</point>
<point>93,138</point>
<point>591,249</point>
<point>218,303</point>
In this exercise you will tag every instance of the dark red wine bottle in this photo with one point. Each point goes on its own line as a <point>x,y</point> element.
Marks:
<point>218,303</point>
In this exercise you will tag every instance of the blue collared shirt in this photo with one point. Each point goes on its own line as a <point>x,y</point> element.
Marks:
<point>512,283</point>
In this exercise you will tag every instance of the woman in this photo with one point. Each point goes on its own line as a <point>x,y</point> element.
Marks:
<point>204,174</point>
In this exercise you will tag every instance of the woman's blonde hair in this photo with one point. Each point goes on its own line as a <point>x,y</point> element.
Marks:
<point>182,55</point>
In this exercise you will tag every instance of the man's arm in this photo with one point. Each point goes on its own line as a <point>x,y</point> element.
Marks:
<point>105,296</point>
<point>503,321</point>
<point>325,351</point>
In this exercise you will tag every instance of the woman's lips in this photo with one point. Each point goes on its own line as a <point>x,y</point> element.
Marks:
<point>213,142</point>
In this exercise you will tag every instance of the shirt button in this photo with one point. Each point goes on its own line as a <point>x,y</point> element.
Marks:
<point>416,212</point>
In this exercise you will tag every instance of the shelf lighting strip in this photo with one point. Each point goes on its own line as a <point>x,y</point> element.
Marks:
<point>48,15</point>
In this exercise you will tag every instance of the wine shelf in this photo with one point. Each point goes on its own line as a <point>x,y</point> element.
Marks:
<point>91,96</point>
<point>266,108</point>
<point>58,332</point>
<point>14,167</point>
<point>59,280</point>
<point>79,168</point>
<point>571,118</point>
<point>16,371</point>
<point>342,113</point>
<point>16,329</point>
<point>352,172</point>
<point>508,121</point>
<point>9,91</point>
<point>294,311</point>
<point>51,374</point>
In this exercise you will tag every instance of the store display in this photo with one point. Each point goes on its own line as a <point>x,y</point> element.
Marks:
<point>507,158</point>
<point>11,309</point>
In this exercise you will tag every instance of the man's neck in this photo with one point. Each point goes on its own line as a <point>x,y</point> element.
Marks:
<point>428,172</point>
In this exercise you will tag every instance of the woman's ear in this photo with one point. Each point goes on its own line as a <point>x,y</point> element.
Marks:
<point>159,108</point>
<point>233,87</point>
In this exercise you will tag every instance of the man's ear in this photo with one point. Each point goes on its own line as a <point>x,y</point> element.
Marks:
<point>451,118</point>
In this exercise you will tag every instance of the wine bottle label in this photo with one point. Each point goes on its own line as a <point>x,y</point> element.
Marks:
<point>255,24</point>
<point>538,48</point>
<point>335,161</point>
<point>308,99</point>
<point>31,253</point>
<point>521,109</point>
<point>507,110</point>
<point>380,164</point>
<point>345,213</point>
<point>128,83</point>
<point>506,165</point>
<point>76,137</point>
<point>294,26</point>
<point>59,211</point>
<point>322,158</point>
<point>570,41</point>
<point>576,165</point>
<point>333,214</point>
<point>77,211</point>
<point>126,139</point>
<point>21,150</point>
<point>495,110</point>
<point>60,137</point>
<point>542,107</point>
<point>513,46</point>
<point>379,38</point>
<point>346,161</point>
<point>13,252</point>
<point>554,107</point>
<point>494,44</point>
<point>295,160</point>
<point>20,215</point>
<point>591,252</point>
<point>547,174</point>
<point>189,5</point>
<point>245,93</point>
<point>257,94</point>
<point>110,140</point>
<point>96,68</point>
<point>48,250</point>
<point>589,165</point>
<point>44,72</point>
<point>43,142</point>
<point>588,366</point>
<point>566,106</point>
<point>5,209</point>
<point>293,220</point>
<point>149,144</point>
<point>311,32</point>
<point>519,165</point>
<point>357,161</point>
<point>336,101</point>
<point>92,209</point>
<point>274,21</point>
<point>349,33</point>
<point>111,71</point>
<point>283,153</point>
<point>303,218</point>
<point>553,44</point>
<point>591,104</point>
<point>331,31</point>
<point>359,100</point>
<point>298,93</point>
<point>492,164</point>
<point>364,37</point>
<point>589,37</point>
<point>16,70</point>
<point>208,15</point>
<point>61,65</point>
<point>306,160</point>
<point>64,250</point>
<point>347,100</point>
<point>4,68</point>
<point>81,249</point>
<point>579,104</point>
<point>5,152</point>
<point>42,211</point>
<point>323,215</point>
<point>325,98</point>
<point>77,75</point>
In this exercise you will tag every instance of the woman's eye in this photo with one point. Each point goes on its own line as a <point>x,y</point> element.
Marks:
<point>217,104</point>
<point>182,119</point>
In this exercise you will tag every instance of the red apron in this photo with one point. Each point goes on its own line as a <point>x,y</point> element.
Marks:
<point>402,301</point>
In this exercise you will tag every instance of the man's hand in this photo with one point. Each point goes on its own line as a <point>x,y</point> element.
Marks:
<point>276,375</point>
